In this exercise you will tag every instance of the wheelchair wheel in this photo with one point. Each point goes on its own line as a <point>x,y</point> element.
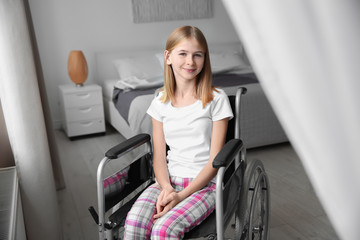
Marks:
<point>254,209</point>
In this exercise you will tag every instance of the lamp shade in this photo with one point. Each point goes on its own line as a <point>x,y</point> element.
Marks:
<point>77,67</point>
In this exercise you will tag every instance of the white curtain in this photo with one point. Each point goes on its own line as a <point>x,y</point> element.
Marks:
<point>307,56</point>
<point>25,123</point>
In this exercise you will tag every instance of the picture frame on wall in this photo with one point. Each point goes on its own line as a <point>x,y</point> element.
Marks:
<point>145,11</point>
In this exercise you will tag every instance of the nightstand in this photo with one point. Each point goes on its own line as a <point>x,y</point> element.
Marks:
<point>82,109</point>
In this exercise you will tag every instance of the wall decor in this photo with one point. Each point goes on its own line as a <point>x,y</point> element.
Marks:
<point>145,11</point>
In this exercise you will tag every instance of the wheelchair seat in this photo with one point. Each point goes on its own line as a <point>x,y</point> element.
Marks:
<point>242,189</point>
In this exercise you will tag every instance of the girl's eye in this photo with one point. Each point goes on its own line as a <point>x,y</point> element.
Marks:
<point>198,55</point>
<point>182,54</point>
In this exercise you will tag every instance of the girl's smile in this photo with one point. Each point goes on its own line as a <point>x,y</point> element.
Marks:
<point>189,70</point>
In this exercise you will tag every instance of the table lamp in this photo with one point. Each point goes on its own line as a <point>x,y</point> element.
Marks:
<point>77,67</point>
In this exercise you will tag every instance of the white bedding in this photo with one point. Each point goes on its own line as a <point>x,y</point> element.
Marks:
<point>259,125</point>
<point>138,120</point>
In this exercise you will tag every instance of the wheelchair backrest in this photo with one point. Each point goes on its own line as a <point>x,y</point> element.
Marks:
<point>231,125</point>
<point>124,182</point>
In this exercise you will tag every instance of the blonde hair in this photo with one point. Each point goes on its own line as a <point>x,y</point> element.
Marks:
<point>204,87</point>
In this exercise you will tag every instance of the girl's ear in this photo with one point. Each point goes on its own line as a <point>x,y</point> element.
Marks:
<point>167,57</point>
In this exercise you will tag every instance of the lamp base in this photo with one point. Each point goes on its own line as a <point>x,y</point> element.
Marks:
<point>79,85</point>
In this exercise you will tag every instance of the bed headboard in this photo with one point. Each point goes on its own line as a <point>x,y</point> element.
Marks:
<point>106,69</point>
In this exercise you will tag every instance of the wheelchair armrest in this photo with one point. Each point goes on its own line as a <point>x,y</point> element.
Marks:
<point>135,141</point>
<point>227,153</point>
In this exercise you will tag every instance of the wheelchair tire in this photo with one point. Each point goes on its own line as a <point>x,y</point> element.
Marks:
<point>254,205</point>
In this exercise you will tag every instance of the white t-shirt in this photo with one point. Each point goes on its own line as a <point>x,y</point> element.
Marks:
<point>188,130</point>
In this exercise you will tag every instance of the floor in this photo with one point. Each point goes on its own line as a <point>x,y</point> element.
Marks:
<point>295,210</point>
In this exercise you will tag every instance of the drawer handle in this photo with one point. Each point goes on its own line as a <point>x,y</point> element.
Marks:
<point>83,95</point>
<point>85,110</point>
<point>86,124</point>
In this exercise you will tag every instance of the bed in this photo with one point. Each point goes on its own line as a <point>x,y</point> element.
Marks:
<point>129,80</point>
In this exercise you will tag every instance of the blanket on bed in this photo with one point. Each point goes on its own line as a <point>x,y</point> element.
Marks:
<point>122,99</point>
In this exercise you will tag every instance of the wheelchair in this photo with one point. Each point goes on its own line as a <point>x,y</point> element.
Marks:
<point>242,188</point>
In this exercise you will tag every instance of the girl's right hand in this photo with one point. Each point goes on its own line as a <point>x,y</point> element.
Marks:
<point>163,195</point>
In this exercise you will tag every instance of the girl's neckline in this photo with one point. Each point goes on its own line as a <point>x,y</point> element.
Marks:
<point>186,106</point>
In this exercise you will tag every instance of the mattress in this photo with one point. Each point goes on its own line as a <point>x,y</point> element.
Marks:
<point>258,123</point>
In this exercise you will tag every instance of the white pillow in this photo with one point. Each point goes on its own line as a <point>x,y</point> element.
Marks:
<point>226,62</point>
<point>143,67</point>
<point>135,83</point>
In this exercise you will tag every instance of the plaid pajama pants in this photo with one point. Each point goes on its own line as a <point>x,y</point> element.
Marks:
<point>182,218</point>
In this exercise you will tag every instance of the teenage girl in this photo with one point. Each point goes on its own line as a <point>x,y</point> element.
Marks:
<point>191,117</point>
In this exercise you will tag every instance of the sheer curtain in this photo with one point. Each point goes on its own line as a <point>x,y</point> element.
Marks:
<point>26,124</point>
<point>307,56</point>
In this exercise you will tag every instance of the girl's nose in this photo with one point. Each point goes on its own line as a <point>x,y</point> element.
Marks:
<point>189,59</point>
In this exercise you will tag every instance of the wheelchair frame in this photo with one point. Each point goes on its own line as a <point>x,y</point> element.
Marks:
<point>254,186</point>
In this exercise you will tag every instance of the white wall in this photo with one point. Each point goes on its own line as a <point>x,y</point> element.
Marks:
<point>93,26</point>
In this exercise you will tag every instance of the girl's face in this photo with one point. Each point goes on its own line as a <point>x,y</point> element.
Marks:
<point>187,59</point>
